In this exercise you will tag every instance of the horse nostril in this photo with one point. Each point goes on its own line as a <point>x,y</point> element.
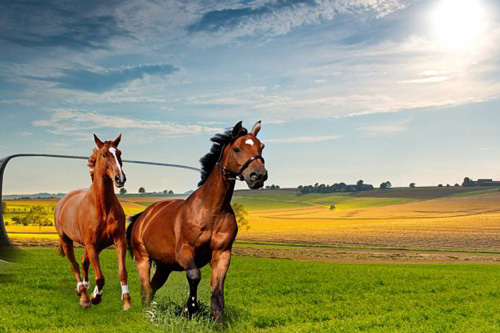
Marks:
<point>253,176</point>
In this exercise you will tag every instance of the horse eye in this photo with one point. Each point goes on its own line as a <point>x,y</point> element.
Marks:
<point>236,149</point>
<point>104,155</point>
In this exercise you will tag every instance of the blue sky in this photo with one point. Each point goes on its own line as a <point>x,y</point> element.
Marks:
<point>406,91</point>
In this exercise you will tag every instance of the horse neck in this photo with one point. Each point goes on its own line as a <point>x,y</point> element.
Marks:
<point>103,192</point>
<point>217,191</point>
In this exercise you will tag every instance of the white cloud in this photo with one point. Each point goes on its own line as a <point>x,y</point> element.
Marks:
<point>79,123</point>
<point>385,129</point>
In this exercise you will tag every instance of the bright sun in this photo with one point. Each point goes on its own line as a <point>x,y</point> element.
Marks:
<point>459,23</point>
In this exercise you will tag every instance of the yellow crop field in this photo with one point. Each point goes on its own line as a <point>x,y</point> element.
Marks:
<point>458,223</point>
<point>461,223</point>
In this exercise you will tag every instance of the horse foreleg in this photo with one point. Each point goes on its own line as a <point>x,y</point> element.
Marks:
<point>193,276</point>
<point>99,277</point>
<point>121,252</point>
<point>81,290</point>
<point>220,264</point>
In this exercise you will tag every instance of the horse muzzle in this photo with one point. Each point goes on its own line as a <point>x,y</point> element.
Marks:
<point>256,179</point>
<point>120,180</point>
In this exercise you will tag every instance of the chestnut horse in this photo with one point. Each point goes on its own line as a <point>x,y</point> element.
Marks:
<point>185,235</point>
<point>95,219</point>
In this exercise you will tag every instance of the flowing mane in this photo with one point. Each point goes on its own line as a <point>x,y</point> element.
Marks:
<point>92,161</point>
<point>210,159</point>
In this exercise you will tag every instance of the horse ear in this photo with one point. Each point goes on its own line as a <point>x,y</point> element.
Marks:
<point>98,142</point>
<point>256,128</point>
<point>117,140</point>
<point>237,129</point>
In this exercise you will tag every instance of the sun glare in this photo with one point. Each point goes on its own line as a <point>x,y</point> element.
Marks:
<point>459,23</point>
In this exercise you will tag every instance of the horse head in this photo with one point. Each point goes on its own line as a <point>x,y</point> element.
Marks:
<point>244,154</point>
<point>108,160</point>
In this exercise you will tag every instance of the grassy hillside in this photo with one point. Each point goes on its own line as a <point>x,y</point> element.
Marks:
<point>311,296</point>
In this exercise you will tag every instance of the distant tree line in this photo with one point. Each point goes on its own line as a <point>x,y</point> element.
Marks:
<point>336,187</point>
<point>37,215</point>
<point>272,187</point>
<point>143,191</point>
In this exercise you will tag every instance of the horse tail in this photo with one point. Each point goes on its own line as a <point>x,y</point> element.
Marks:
<point>131,220</point>
<point>60,250</point>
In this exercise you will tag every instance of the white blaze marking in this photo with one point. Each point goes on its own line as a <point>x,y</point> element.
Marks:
<point>113,151</point>
<point>249,142</point>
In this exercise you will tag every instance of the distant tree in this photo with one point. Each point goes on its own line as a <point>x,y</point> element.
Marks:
<point>412,185</point>
<point>273,187</point>
<point>165,192</point>
<point>440,185</point>
<point>448,185</point>
<point>277,187</point>
<point>4,207</point>
<point>142,190</point>
<point>241,215</point>
<point>386,185</point>
<point>37,215</point>
<point>123,191</point>
<point>467,182</point>
<point>170,192</point>
<point>456,185</point>
<point>332,207</point>
<point>298,188</point>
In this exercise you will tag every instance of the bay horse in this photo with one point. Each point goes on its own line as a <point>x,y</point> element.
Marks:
<point>94,218</point>
<point>185,235</point>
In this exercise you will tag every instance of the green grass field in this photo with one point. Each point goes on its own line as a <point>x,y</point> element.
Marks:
<point>262,200</point>
<point>262,295</point>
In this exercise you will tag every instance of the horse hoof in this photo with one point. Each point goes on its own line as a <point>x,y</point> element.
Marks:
<point>126,302</point>
<point>96,300</point>
<point>85,304</point>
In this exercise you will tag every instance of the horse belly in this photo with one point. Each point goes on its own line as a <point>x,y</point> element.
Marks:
<point>161,248</point>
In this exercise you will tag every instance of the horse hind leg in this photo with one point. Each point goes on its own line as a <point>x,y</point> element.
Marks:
<point>81,290</point>
<point>143,264</point>
<point>85,269</point>
<point>161,275</point>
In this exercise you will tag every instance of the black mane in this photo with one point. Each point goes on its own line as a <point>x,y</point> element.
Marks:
<point>210,159</point>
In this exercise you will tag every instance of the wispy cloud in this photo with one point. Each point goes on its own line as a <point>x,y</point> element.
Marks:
<point>101,80</point>
<point>66,25</point>
<point>385,129</point>
<point>79,123</point>
<point>304,139</point>
<point>274,18</point>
